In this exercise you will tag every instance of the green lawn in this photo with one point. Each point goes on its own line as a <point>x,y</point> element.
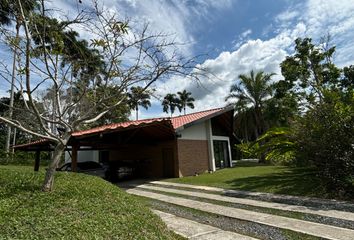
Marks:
<point>261,178</point>
<point>80,207</point>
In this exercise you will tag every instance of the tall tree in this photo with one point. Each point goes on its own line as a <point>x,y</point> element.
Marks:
<point>128,56</point>
<point>170,103</point>
<point>138,97</point>
<point>250,93</point>
<point>322,135</point>
<point>11,13</point>
<point>310,72</point>
<point>185,100</point>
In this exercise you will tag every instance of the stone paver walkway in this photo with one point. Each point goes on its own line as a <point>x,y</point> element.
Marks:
<point>257,194</point>
<point>310,228</point>
<point>256,203</point>
<point>197,231</point>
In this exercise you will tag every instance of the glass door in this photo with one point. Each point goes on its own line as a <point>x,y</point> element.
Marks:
<point>221,153</point>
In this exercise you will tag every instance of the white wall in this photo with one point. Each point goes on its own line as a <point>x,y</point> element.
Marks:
<point>194,132</point>
<point>84,156</point>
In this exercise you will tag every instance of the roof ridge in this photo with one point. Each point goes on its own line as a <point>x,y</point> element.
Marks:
<point>121,123</point>
<point>209,110</point>
<point>175,122</point>
<point>148,119</point>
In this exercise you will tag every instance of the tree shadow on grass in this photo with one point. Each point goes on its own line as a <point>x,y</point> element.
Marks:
<point>250,164</point>
<point>295,181</point>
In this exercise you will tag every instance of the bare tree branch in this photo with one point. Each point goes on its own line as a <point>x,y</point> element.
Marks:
<point>20,127</point>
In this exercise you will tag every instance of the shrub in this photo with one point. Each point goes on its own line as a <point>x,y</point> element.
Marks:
<point>248,150</point>
<point>278,146</point>
<point>325,136</point>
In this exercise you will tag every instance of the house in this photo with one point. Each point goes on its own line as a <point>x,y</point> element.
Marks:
<point>159,147</point>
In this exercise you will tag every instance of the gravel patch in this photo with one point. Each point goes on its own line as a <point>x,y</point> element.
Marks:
<point>329,221</point>
<point>303,216</point>
<point>325,204</point>
<point>229,224</point>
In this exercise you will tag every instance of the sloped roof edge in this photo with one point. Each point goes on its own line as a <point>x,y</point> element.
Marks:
<point>177,123</point>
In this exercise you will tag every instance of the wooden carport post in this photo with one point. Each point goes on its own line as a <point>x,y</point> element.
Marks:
<point>74,148</point>
<point>37,160</point>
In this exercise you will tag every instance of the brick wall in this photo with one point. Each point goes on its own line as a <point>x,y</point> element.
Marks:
<point>193,156</point>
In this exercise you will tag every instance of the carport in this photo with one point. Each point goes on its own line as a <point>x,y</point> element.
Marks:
<point>148,145</point>
<point>179,146</point>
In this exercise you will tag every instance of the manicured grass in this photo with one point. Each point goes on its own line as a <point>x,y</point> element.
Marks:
<point>80,207</point>
<point>261,178</point>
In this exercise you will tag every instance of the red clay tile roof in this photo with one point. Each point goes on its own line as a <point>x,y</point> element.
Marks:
<point>34,143</point>
<point>176,123</point>
<point>188,118</point>
<point>116,126</point>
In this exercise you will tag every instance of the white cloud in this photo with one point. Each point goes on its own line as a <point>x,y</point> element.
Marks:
<point>246,33</point>
<point>337,19</point>
<point>288,15</point>
<point>242,38</point>
<point>322,17</point>
<point>255,54</point>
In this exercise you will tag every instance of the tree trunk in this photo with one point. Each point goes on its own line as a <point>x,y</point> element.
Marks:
<point>262,158</point>
<point>49,176</point>
<point>14,140</point>
<point>8,139</point>
<point>260,130</point>
<point>136,112</point>
<point>246,132</point>
<point>12,91</point>
<point>258,114</point>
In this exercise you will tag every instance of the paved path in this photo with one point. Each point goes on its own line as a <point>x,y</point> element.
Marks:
<point>258,194</point>
<point>197,231</point>
<point>256,203</point>
<point>314,229</point>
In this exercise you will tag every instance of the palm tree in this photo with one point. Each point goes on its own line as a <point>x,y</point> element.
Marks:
<point>250,94</point>
<point>169,103</point>
<point>185,100</point>
<point>138,97</point>
<point>10,11</point>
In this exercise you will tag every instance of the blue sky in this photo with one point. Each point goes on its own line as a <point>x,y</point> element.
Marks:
<point>242,35</point>
<point>236,35</point>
